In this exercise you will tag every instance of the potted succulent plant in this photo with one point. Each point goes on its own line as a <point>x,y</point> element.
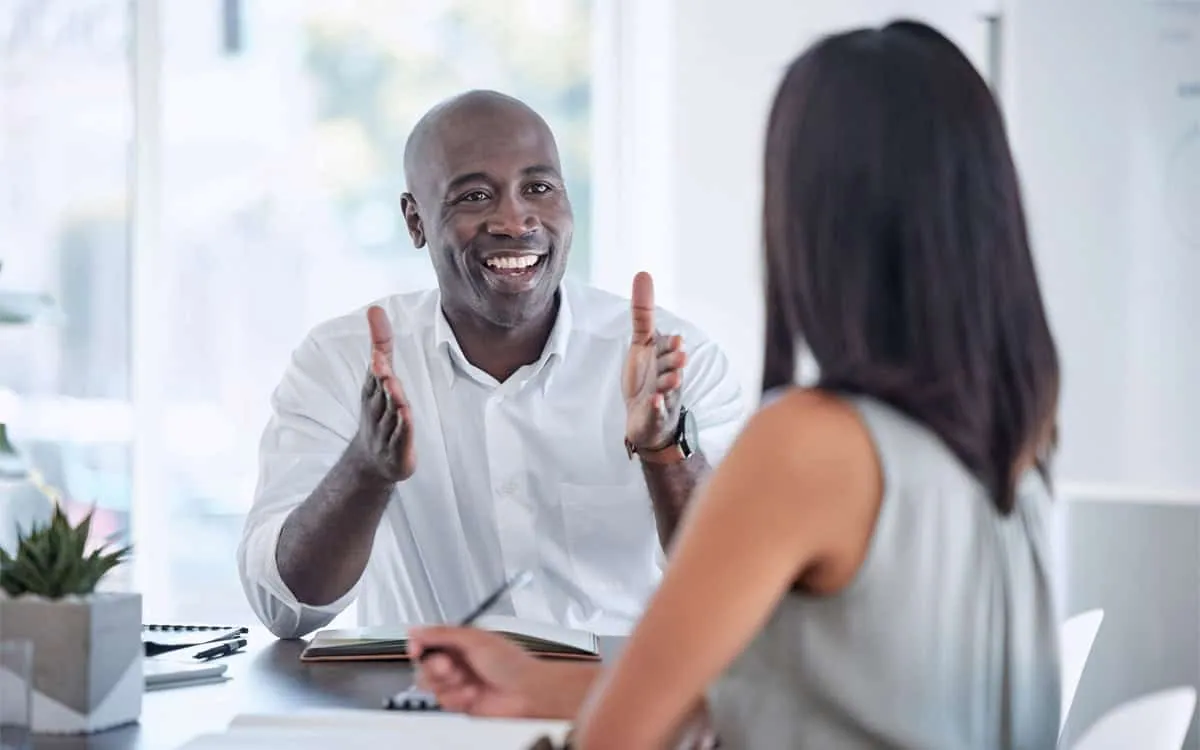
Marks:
<point>87,673</point>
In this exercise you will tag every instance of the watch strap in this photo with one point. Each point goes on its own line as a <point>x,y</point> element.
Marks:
<point>671,453</point>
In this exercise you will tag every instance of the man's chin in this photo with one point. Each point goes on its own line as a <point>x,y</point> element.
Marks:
<point>513,309</point>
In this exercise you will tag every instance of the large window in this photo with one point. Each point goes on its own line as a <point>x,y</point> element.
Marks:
<point>281,128</point>
<point>65,134</point>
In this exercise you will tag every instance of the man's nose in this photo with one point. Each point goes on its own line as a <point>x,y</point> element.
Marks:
<point>513,218</point>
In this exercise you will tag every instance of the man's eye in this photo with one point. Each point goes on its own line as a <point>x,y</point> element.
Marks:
<point>474,196</point>
<point>540,188</point>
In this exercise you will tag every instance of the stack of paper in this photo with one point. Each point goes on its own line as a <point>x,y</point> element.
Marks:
<point>161,672</point>
<point>363,728</point>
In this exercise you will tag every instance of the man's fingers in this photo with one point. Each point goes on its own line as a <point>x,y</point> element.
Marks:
<point>643,308</point>
<point>381,330</point>
<point>390,386</point>
<point>387,424</point>
<point>395,391</point>
<point>668,381</point>
<point>378,400</point>
<point>672,360</point>
<point>381,365</point>
<point>664,344</point>
<point>370,385</point>
<point>400,430</point>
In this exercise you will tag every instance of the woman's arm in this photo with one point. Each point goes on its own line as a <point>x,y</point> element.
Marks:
<point>797,494</point>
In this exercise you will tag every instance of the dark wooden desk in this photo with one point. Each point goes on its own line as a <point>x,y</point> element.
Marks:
<point>267,678</point>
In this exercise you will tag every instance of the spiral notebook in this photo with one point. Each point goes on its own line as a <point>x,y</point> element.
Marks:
<point>368,644</point>
<point>162,639</point>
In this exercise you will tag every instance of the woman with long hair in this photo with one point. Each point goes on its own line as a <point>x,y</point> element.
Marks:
<point>869,565</point>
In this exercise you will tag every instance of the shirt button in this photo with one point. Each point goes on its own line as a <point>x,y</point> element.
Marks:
<point>507,488</point>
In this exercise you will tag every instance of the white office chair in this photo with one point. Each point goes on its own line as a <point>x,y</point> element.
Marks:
<point>1157,721</point>
<point>1077,636</point>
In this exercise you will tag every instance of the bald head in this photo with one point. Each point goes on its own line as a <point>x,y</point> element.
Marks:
<point>471,122</point>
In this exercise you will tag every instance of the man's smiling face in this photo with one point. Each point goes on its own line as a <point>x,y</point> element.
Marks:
<point>489,199</point>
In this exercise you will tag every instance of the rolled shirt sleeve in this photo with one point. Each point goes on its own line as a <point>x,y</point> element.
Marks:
<point>712,392</point>
<point>314,417</point>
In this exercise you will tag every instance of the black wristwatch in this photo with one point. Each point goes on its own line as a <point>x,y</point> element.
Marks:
<point>685,442</point>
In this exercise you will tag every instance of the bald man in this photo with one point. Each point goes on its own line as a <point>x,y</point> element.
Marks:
<point>429,446</point>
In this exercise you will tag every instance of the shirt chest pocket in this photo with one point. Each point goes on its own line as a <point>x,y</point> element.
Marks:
<point>611,537</point>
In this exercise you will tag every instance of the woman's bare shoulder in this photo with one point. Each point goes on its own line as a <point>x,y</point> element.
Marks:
<point>809,418</point>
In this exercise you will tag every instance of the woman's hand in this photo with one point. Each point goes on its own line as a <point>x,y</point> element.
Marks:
<point>484,674</point>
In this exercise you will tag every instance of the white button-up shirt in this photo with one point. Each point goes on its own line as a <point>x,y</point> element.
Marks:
<point>528,474</point>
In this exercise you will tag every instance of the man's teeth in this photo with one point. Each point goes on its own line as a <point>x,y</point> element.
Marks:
<point>512,262</point>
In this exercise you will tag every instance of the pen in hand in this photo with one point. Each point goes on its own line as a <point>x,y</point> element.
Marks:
<point>511,584</point>
<point>413,699</point>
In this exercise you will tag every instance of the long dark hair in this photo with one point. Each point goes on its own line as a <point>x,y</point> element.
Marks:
<point>897,252</point>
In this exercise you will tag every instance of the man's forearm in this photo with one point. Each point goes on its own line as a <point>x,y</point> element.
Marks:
<point>671,487</point>
<point>326,541</point>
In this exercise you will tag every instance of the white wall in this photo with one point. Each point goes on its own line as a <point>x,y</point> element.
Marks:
<point>694,187</point>
<point>1107,138</point>
<point>1093,116</point>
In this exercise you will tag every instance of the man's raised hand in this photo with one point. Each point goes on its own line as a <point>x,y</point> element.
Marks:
<point>384,440</point>
<point>653,374</point>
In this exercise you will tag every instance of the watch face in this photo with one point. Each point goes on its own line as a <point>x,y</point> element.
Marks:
<point>691,435</point>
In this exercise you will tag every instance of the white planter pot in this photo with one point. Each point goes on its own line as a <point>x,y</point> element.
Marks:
<point>87,659</point>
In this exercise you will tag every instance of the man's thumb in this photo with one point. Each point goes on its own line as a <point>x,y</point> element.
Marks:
<point>381,330</point>
<point>643,308</point>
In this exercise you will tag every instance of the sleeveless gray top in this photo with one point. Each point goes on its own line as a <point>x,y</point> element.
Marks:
<point>946,639</point>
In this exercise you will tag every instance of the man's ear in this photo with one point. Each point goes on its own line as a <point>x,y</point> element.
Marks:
<point>412,218</point>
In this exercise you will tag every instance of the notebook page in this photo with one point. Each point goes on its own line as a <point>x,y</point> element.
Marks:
<point>342,718</point>
<point>323,739</point>
<point>578,639</point>
<point>347,636</point>
<point>362,728</point>
<point>554,634</point>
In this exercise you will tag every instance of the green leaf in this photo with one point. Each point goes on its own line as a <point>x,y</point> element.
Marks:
<point>58,522</point>
<point>37,550</point>
<point>82,532</point>
<point>31,580</point>
<point>51,561</point>
<point>10,584</point>
<point>63,560</point>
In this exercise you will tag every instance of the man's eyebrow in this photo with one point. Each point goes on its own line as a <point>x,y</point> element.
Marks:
<point>537,170</point>
<point>463,179</point>
<point>541,170</point>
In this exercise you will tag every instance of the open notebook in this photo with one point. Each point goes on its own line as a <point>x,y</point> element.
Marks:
<point>360,644</point>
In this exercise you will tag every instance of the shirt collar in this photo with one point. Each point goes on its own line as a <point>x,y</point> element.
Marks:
<point>455,363</point>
